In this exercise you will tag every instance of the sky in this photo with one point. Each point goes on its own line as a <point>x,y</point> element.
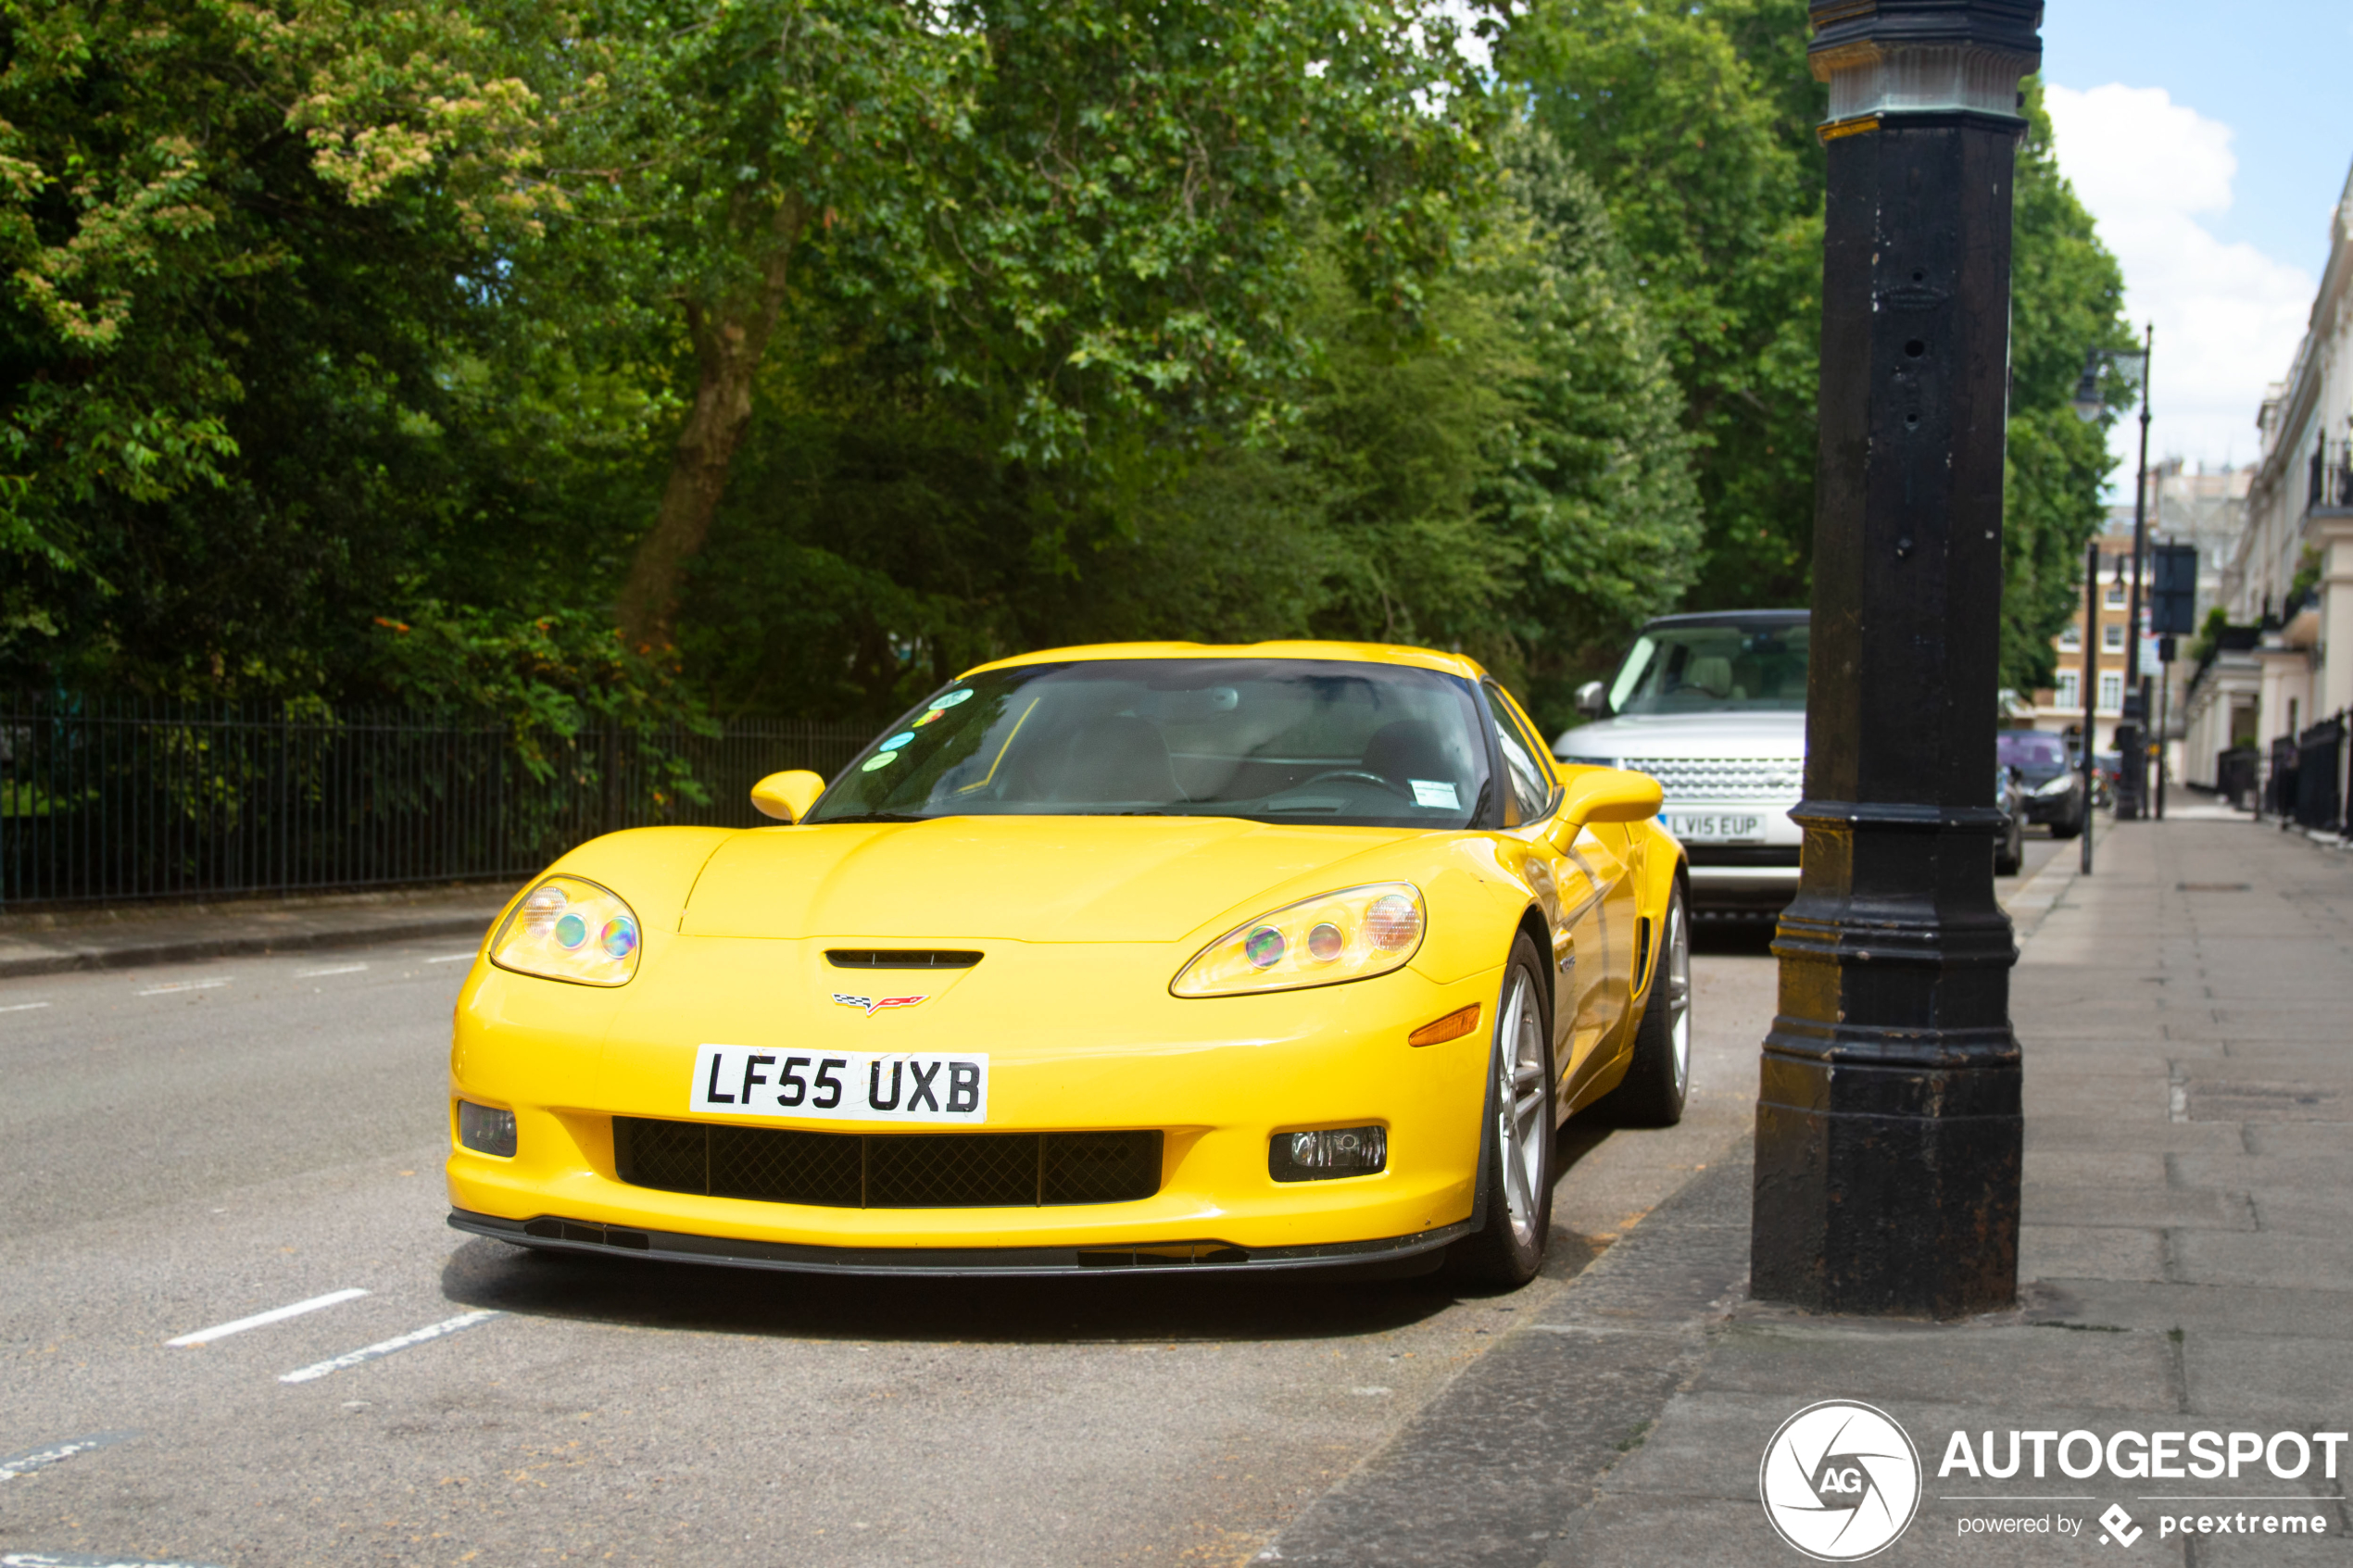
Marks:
<point>2211,145</point>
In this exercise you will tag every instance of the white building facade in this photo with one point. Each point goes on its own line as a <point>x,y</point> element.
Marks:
<point>2289,582</point>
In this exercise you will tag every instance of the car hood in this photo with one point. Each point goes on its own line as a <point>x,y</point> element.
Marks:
<point>1644,736</point>
<point>1030,879</point>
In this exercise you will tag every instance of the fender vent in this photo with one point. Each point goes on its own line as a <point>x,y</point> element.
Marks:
<point>900,957</point>
<point>886,1170</point>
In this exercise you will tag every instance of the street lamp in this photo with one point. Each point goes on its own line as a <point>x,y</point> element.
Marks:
<point>1888,1128</point>
<point>2090,403</point>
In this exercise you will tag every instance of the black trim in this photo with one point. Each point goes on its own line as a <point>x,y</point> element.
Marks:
<point>901,957</point>
<point>556,1233</point>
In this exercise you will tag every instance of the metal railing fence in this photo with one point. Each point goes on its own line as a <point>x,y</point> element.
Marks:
<point>2332,476</point>
<point>2319,777</point>
<point>105,800</point>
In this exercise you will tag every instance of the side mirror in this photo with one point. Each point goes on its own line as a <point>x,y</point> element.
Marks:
<point>1611,795</point>
<point>787,796</point>
<point>1592,700</point>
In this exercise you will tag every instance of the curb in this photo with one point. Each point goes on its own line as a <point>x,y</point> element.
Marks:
<point>135,956</point>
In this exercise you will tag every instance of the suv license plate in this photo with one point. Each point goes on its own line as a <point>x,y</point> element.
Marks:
<point>1710,828</point>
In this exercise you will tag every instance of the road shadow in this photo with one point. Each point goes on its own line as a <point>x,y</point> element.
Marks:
<point>1744,935</point>
<point>1164,1307</point>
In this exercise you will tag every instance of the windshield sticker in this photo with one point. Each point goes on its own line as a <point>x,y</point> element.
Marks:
<point>902,738</point>
<point>951,699</point>
<point>1435,795</point>
<point>935,713</point>
<point>883,760</point>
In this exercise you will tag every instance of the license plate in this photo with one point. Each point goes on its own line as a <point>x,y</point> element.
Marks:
<point>1710,828</point>
<point>792,1086</point>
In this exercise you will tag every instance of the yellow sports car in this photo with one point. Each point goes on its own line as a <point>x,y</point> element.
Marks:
<point>1142,956</point>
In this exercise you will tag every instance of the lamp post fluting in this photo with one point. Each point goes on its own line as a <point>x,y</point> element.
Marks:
<point>1888,1128</point>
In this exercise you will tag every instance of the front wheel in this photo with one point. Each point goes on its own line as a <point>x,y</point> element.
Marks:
<point>1515,1169</point>
<point>1659,1078</point>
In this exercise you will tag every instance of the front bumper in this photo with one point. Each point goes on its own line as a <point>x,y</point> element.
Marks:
<point>1218,1077</point>
<point>1195,1257</point>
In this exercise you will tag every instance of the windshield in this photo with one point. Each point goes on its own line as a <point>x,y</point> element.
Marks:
<point>1274,740</point>
<point>1727,667</point>
<point>2030,749</point>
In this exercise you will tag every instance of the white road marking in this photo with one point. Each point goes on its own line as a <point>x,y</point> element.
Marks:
<point>275,1314</point>
<point>85,1559</point>
<point>451,957</point>
<point>401,1342</point>
<point>37,1458</point>
<point>22,1007</point>
<point>183,986</point>
<point>338,969</point>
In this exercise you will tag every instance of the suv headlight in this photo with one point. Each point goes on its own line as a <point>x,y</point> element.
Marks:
<point>568,928</point>
<point>1354,934</point>
<point>2058,786</point>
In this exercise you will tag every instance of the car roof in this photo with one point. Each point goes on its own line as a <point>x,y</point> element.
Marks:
<point>1731,618</point>
<point>1345,652</point>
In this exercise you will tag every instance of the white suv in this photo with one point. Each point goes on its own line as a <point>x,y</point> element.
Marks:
<point>1713,705</point>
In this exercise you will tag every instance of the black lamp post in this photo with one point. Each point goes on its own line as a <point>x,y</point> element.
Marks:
<point>1888,1128</point>
<point>2132,750</point>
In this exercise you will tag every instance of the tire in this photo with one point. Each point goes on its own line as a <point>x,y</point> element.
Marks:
<point>1659,1078</point>
<point>1518,1133</point>
<point>2009,855</point>
<point>2067,829</point>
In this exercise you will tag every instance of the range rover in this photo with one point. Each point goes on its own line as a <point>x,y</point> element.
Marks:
<point>1713,705</point>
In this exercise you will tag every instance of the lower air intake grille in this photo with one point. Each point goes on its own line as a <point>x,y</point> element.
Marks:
<point>886,1170</point>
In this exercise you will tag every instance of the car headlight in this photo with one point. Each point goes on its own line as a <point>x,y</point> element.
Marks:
<point>568,928</point>
<point>2058,786</point>
<point>1354,934</point>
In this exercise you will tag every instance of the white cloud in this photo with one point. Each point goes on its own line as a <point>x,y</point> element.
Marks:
<point>2228,317</point>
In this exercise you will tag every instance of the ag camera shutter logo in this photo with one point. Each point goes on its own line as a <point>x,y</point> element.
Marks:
<point>1840,1481</point>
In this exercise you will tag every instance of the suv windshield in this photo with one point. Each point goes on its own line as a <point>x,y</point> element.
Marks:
<point>2030,750</point>
<point>1272,740</point>
<point>1723,667</point>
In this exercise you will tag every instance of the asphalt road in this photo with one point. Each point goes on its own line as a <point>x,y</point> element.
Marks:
<point>188,1146</point>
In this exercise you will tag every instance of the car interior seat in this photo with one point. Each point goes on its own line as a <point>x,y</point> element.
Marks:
<point>1122,758</point>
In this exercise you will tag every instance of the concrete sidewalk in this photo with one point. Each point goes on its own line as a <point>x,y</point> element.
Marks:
<point>127,937</point>
<point>2187,1266</point>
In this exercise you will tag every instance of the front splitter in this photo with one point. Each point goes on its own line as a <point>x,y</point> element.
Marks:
<point>557,1233</point>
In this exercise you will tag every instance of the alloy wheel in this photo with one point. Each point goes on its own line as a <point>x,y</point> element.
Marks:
<point>1522,1122</point>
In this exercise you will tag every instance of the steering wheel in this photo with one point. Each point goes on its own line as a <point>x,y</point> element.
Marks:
<point>1359,774</point>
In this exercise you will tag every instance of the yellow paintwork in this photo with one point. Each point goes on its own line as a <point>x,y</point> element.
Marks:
<point>1084,921</point>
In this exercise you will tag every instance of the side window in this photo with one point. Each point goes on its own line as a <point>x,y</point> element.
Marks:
<point>1529,792</point>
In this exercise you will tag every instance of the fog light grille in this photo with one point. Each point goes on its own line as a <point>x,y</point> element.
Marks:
<point>886,1170</point>
<point>486,1131</point>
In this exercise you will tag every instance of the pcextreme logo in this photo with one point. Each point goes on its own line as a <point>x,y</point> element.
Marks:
<point>1840,1481</point>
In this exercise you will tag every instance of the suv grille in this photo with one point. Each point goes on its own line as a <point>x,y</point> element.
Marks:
<point>886,1170</point>
<point>1711,778</point>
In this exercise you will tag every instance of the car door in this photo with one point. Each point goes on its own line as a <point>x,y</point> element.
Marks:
<point>1580,877</point>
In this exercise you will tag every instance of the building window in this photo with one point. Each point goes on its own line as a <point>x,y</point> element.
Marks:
<point>2112,639</point>
<point>2111,691</point>
<point>2071,640</point>
<point>2071,690</point>
<point>2115,596</point>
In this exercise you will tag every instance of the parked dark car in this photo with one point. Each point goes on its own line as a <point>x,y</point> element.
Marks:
<point>2009,851</point>
<point>2047,777</point>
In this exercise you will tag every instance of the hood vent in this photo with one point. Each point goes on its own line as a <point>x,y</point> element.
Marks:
<point>900,958</point>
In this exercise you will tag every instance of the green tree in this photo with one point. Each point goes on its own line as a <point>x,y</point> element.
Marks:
<point>1083,215</point>
<point>1717,198</point>
<point>229,280</point>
